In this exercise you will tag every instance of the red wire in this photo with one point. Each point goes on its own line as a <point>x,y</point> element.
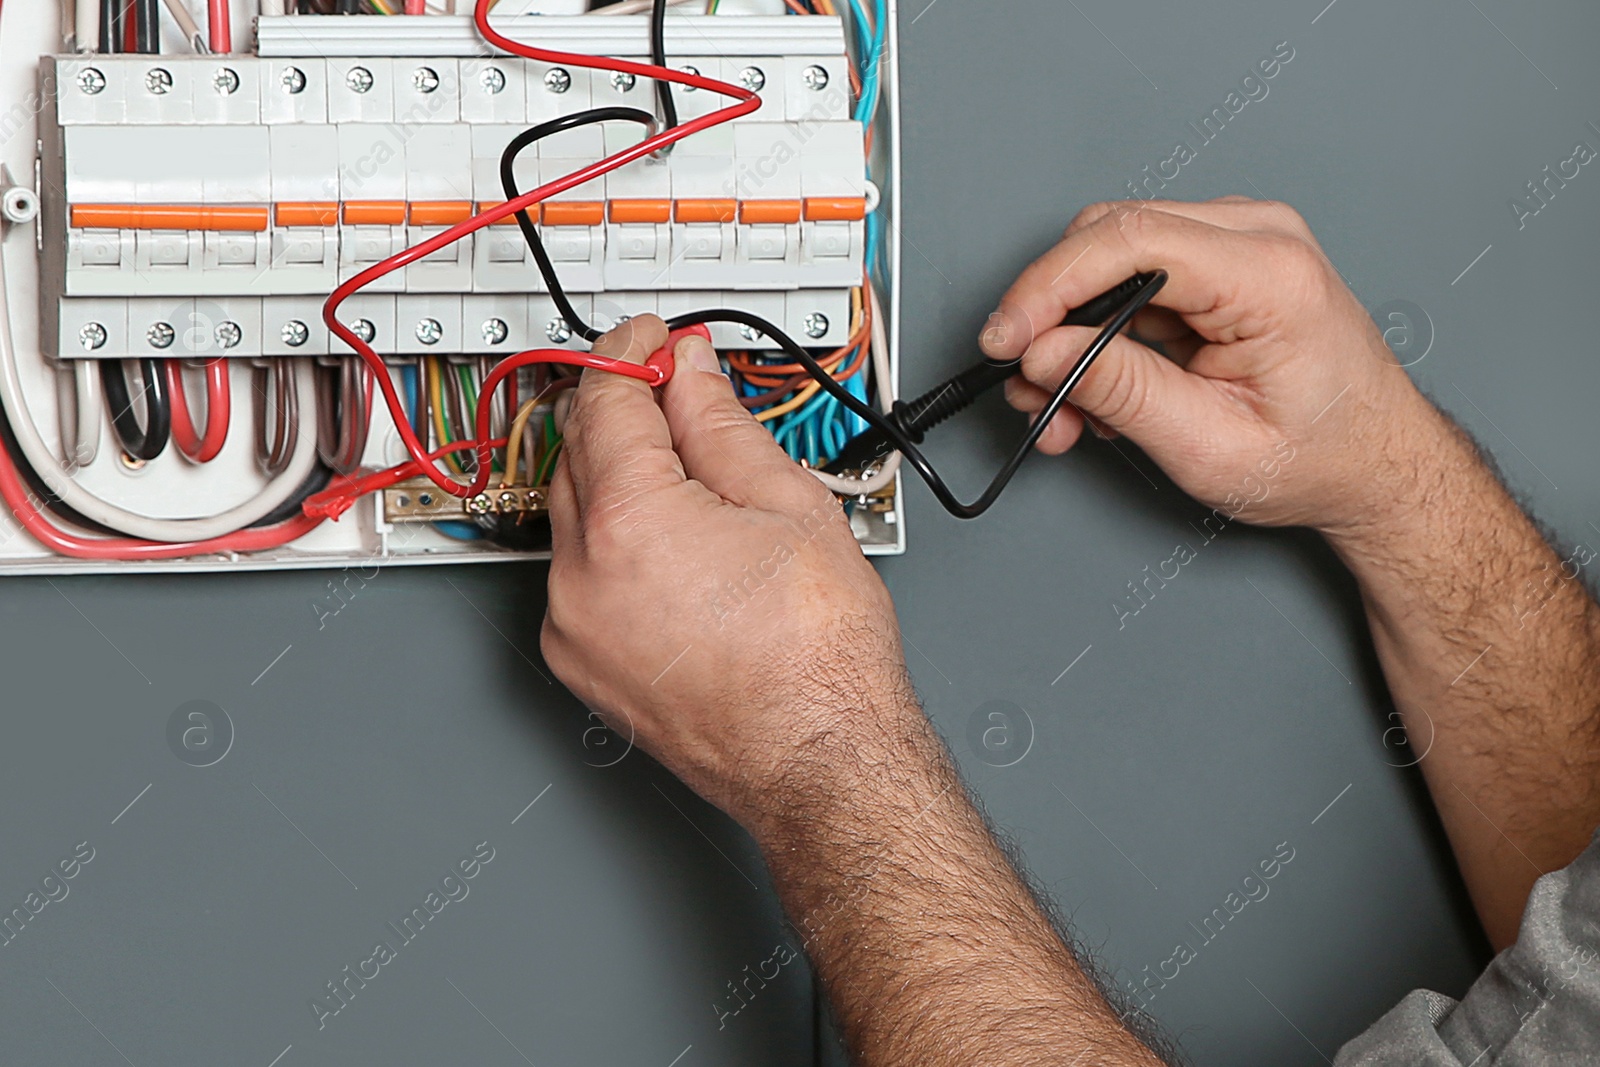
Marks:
<point>416,7</point>
<point>218,400</point>
<point>746,102</point>
<point>27,511</point>
<point>218,27</point>
<point>345,491</point>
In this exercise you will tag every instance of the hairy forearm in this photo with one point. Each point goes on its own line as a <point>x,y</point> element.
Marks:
<point>931,948</point>
<point>1491,646</point>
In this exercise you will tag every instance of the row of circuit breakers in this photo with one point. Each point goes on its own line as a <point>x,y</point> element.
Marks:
<point>203,205</point>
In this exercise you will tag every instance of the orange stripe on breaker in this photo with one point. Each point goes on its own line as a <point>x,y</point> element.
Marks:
<point>705,210</point>
<point>757,211</point>
<point>511,219</point>
<point>641,210</point>
<point>168,217</point>
<point>306,213</point>
<point>836,208</point>
<point>573,213</point>
<point>440,212</point>
<point>374,212</point>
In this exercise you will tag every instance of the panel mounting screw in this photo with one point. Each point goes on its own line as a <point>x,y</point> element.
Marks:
<point>816,325</point>
<point>749,333</point>
<point>492,79</point>
<point>228,334</point>
<point>480,504</point>
<point>753,78</point>
<point>815,78</point>
<point>92,335</point>
<point>557,80</point>
<point>364,329</point>
<point>294,80</point>
<point>91,81</point>
<point>558,331</point>
<point>160,335</point>
<point>294,333</point>
<point>622,81</point>
<point>495,331</point>
<point>225,82</point>
<point>426,79</point>
<point>429,331</point>
<point>158,80</point>
<point>359,79</point>
<point>688,70</point>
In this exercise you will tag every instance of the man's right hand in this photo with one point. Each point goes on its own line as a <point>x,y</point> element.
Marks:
<point>1272,359</point>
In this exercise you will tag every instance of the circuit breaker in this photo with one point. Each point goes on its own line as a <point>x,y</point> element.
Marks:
<point>197,207</point>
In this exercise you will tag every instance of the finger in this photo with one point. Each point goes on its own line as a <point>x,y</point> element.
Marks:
<point>617,442</point>
<point>1233,212</point>
<point>721,444</point>
<point>566,532</point>
<point>1130,389</point>
<point>1064,431</point>
<point>1212,270</point>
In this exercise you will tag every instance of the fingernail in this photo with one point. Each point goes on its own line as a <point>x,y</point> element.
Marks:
<point>996,331</point>
<point>699,354</point>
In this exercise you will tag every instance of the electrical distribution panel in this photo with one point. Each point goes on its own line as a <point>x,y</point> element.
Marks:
<point>193,208</point>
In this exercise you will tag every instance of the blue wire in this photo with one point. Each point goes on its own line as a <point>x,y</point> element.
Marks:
<point>459,531</point>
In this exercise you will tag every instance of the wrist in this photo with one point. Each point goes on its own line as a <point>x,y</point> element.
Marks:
<point>1420,466</point>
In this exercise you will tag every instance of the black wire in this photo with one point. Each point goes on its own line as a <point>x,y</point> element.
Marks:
<point>890,429</point>
<point>530,234</point>
<point>147,26</point>
<point>658,56</point>
<point>315,483</point>
<point>141,442</point>
<point>112,13</point>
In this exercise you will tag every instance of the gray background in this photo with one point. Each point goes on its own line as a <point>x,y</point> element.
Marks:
<point>1172,756</point>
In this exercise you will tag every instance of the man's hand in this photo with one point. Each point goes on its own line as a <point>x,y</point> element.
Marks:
<point>1282,405</point>
<point>1272,359</point>
<point>707,596</point>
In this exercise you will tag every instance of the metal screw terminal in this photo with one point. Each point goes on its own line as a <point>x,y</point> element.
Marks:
<point>160,335</point>
<point>364,329</point>
<point>558,331</point>
<point>359,79</point>
<point>293,80</point>
<point>91,81</point>
<point>294,333</point>
<point>228,334</point>
<point>158,80</point>
<point>92,335</point>
<point>426,79</point>
<point>493,80</point>
<point>225,81</point>
<point>753,78</point>
<point>816,325</point>
<point>622,81</point>
<point>429,331</point>
<point>480,504</point>
<point>495,331</point>
<point>557,80</point>
<point>749,333</point>
<point>815,78</point>
<point>688,70</point>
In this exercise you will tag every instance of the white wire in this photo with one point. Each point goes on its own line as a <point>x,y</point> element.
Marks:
<point>38,454</point>
<point>886,397</point>
<point>633,7</point>
<point>78,412</point>
<point>86,25</point>
<point>186,23</point>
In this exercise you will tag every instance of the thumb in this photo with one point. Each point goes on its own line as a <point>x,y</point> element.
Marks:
<point>721,444</point>
<point>1130,389</point>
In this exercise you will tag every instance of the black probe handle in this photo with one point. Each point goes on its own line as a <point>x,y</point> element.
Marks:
<point>919,415</point>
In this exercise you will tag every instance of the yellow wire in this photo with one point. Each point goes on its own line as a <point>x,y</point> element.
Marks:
<point>436,391</point>
<point>806,392</point>
<point>514,441</point>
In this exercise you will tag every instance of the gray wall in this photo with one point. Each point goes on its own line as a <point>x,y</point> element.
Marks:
<point>379,749</point>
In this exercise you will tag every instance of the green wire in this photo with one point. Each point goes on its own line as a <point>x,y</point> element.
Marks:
<point>469,387</point>
<point>548,464</point>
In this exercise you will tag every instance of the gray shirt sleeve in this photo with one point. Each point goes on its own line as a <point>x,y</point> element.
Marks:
<point>1538,1003</point>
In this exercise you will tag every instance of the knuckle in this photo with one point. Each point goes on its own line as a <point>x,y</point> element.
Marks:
<point>1124,395</point>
